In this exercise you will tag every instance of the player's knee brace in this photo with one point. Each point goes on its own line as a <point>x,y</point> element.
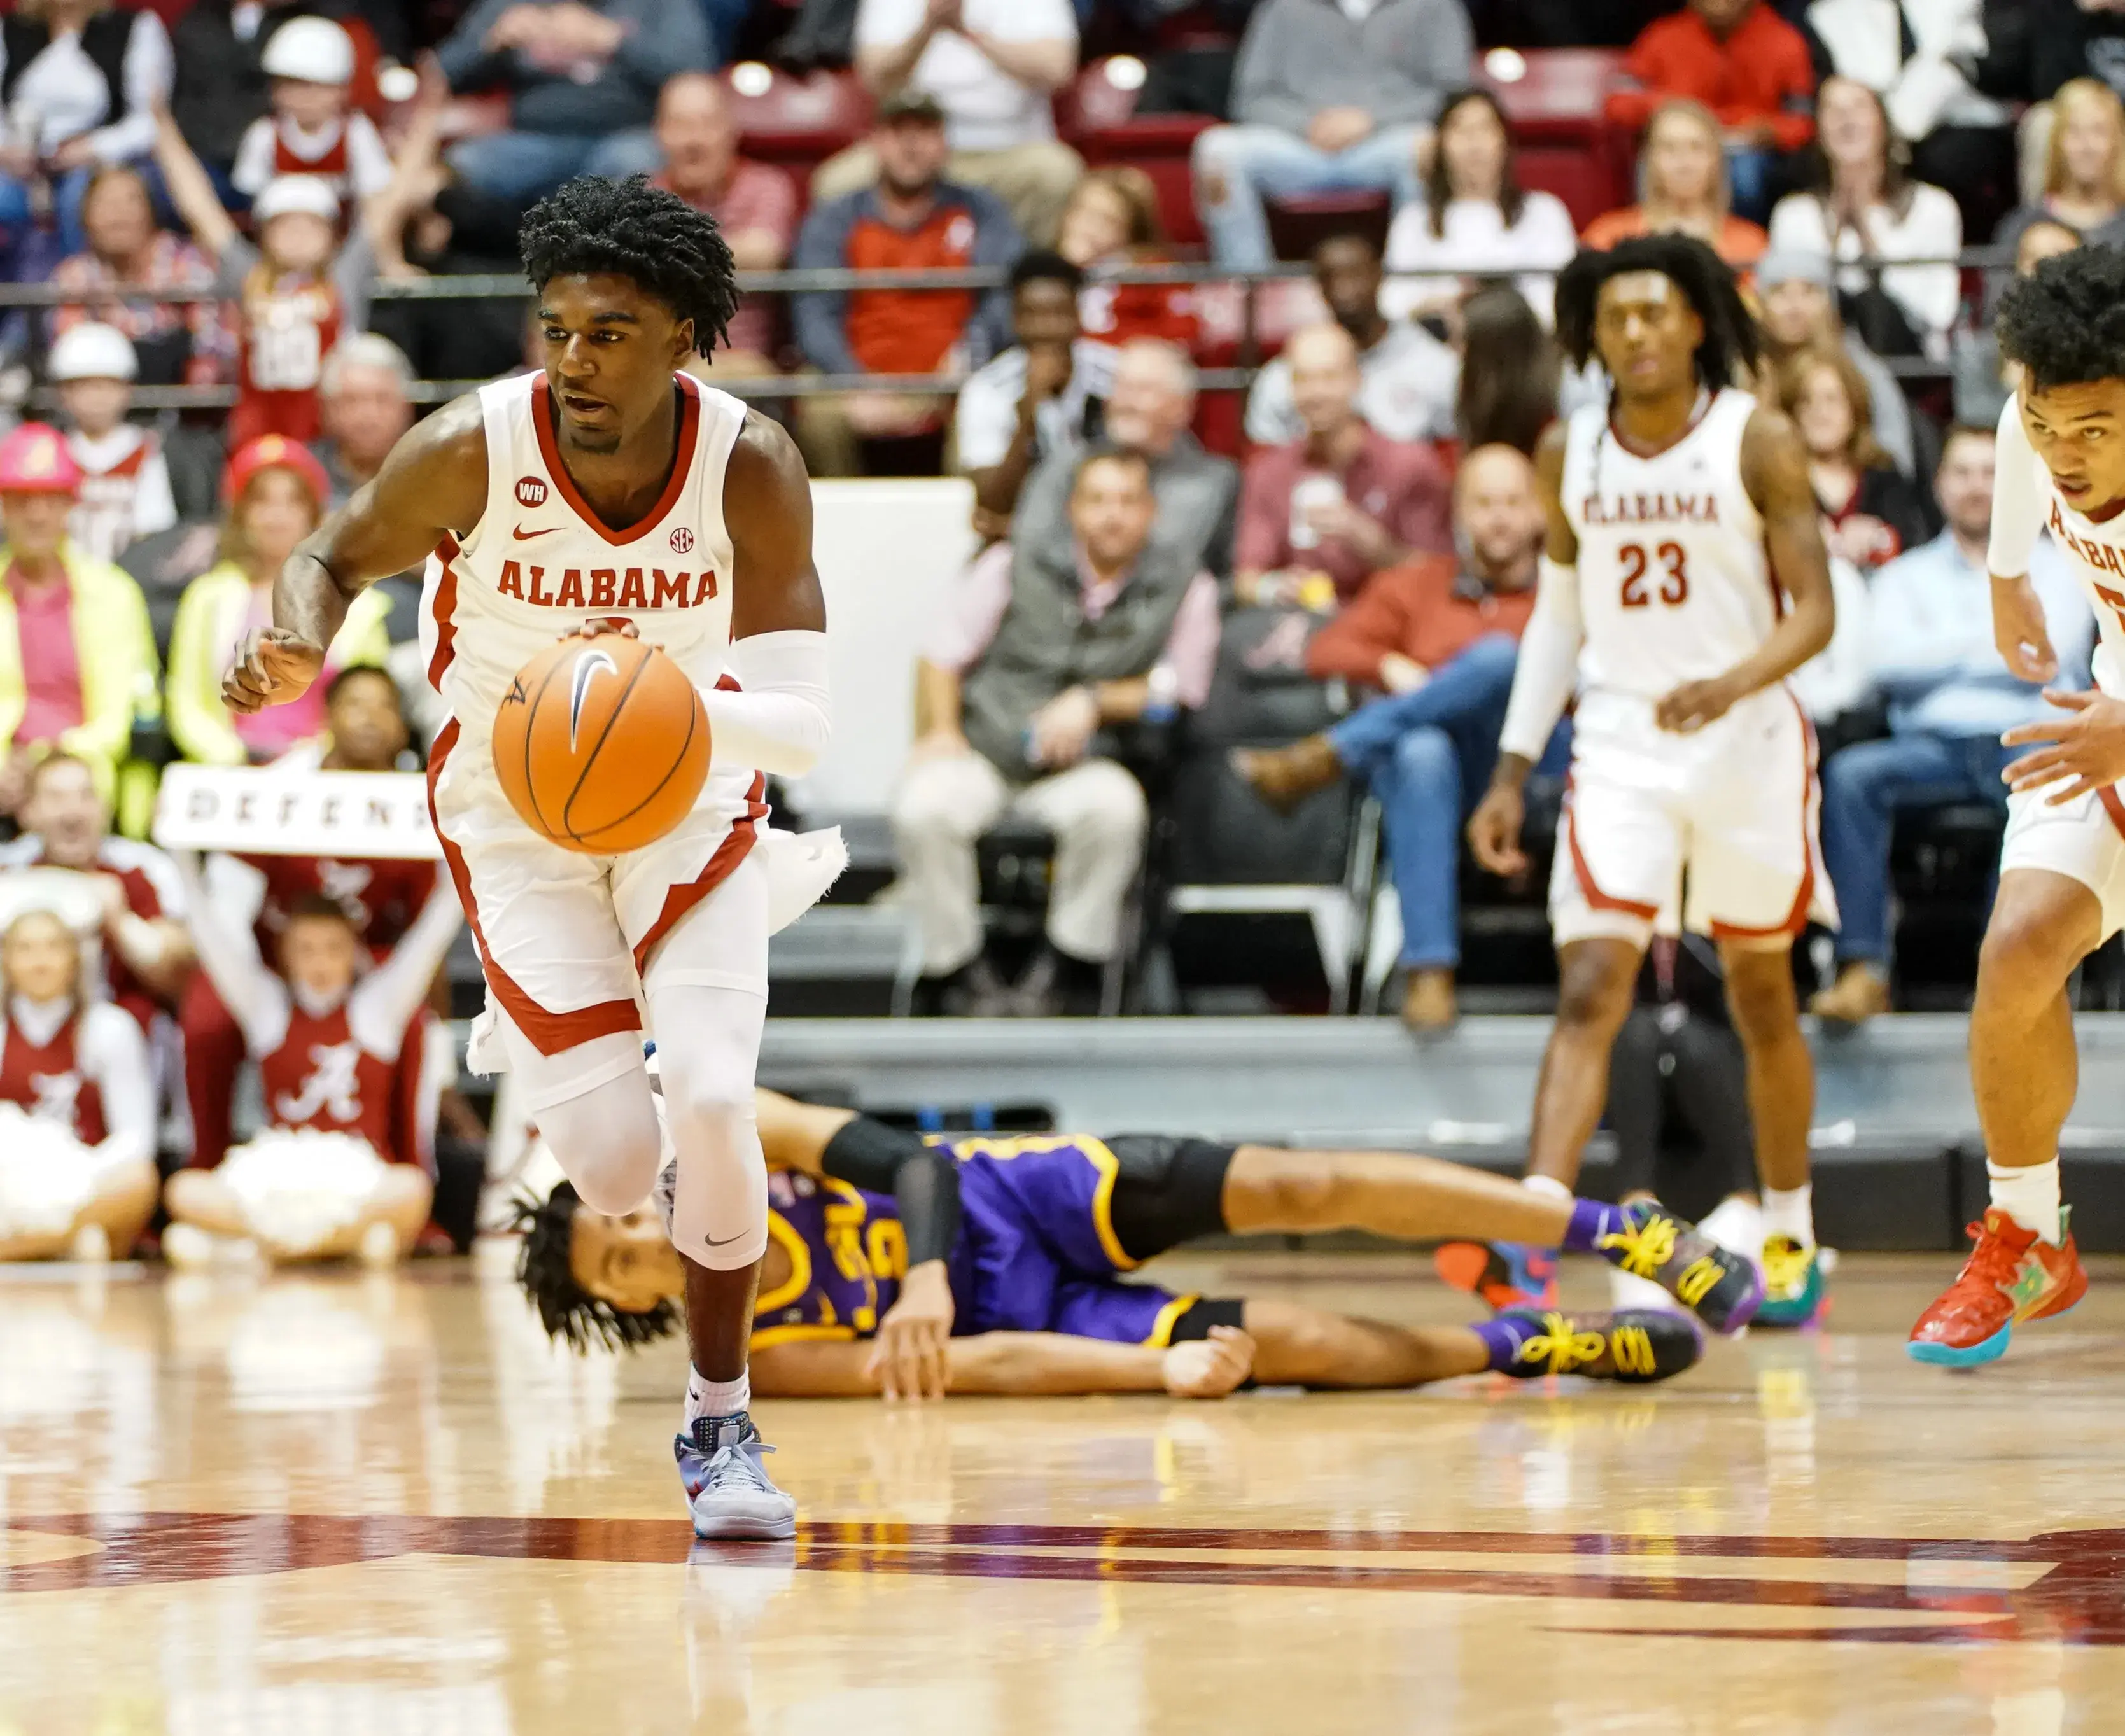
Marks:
<point>719,1212</point>
<point>607,1143</point>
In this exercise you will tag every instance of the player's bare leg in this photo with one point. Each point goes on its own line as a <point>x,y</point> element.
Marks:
<point>2025,1070</point>
<point>720,1318</point>
<point>1298,1346</point>
<point>1596,979</point>
<point>1270,1190</point>
<point>1781,1075</point>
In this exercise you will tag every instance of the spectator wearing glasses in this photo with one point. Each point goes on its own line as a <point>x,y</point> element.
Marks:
<point>1329,96</point>
<point>1950,696</point>
<point>1475,220</point>
<point>1683,189</point>
<point>1408,378</point>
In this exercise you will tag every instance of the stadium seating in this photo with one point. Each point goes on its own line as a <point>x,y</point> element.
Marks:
<point>1097,113</point>
<point>797,122</point>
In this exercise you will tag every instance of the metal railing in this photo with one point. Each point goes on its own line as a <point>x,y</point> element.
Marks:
<point>836,280</point>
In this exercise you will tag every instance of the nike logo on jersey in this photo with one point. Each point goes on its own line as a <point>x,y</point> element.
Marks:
<point>522,535</point>
<point>587,672</point>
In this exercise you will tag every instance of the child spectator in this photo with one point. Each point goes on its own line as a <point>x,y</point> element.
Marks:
<point>124,483</point>
<point>77,1105</point>
<point>294,296</point>
<point>1112,220</point>
<point>327,1038</point>
<point>312,130</point>
<point>276,493</point>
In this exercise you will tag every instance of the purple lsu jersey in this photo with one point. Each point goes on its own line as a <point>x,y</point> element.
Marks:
<point>1036,1250</point>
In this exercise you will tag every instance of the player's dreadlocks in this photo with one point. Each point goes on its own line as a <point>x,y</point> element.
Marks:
<point>566,1310</point>
<point>1731,342</point>
<point>2065,323</point>
<point>632,229</point>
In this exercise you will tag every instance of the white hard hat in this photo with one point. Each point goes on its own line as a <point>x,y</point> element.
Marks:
<point>286,193</point>
<point>315,49</point>
<point>93,351</point>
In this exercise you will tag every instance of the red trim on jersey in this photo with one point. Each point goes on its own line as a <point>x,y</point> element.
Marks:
<point>1595,897</point>
<point>1796,919</point>
<point>445,612</point>
<point>682,465</point>
<point>2104,515</point>
<point>2107,796</point>
<point>549,1032</point>
<point>721,866</point>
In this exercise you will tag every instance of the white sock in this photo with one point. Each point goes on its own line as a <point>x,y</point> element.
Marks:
<point>2029,1194</point>
<point>716,1397</point>
<point>1546,1184</point>
<point>1737,1225</point>
<point>1791,1212</point>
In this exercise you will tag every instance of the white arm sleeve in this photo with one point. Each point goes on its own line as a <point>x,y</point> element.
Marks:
<point>257,998</point>
<point>385,1001</point>
<point>1548,667</point>
<point>117,1056</point>
<point>2018,496</point>
<point>779,720</point>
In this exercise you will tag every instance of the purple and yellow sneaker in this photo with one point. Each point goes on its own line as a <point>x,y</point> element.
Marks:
<point>1503,1274</point>
<point>1723,1290</point>
<point>1633,1345</point>
<point>728,1492</point>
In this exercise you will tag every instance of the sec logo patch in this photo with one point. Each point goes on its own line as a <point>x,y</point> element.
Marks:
<point>531,491</point>
<point>682,539</point>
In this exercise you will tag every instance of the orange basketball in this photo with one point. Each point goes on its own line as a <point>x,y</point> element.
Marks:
<point>602,745</point>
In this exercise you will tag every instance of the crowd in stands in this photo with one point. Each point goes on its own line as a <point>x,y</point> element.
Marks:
<point>230,197</point>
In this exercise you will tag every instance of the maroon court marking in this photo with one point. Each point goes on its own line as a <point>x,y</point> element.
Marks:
<point>2081,1600</point>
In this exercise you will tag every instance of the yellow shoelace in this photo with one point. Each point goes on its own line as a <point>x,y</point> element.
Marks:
<point>1645,1249</point>
<point>1785,1264</point>
<point>1567,1349</point>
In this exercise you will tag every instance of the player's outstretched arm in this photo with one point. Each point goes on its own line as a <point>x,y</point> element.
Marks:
<point>1543,678</point>
<point>779,719</point>
<point>1774,472</point>
<point>1023,1364</point>
<point>434,483</point>
<point>2019,628</point>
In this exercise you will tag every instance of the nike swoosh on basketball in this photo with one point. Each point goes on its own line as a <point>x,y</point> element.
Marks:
<point>522,535</point>
<point>586,671</point>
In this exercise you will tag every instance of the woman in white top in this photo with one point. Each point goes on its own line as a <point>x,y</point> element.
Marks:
<point>1475,220</point>
<point>80,94</point>
<point>2084,168</point>
<point>1865,206</point>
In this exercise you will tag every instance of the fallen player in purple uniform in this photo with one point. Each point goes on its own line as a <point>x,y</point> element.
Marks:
<point>968,1263</point>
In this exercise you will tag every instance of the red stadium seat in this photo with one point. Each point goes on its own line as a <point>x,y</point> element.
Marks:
<point>1096,112</point>
<point>798,122</point>
<point>1553,98</point>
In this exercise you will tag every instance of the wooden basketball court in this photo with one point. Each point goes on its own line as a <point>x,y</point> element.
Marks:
<point>345,1504</point>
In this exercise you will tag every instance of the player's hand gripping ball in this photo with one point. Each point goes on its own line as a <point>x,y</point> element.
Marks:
<point>602,744</point>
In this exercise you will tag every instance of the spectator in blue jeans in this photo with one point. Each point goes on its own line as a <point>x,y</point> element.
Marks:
<point>582,77</point>
<point>1949,698</point>
<point>1329,96</point>
<point>1438,636</point>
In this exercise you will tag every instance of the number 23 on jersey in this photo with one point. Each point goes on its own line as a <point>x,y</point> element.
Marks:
<point>1642,584</point>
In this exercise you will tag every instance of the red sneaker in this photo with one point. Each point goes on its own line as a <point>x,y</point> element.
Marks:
<point>2010,1276</point>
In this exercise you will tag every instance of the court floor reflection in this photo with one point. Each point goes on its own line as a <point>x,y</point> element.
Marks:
<point>355,1504</point>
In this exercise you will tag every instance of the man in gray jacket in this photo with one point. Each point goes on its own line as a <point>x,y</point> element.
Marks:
<point>1329,96</point>
<point>1047,647</point>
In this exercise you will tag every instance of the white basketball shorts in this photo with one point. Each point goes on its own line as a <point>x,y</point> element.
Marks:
<point>2083,840</point>
<point>1722,827</point>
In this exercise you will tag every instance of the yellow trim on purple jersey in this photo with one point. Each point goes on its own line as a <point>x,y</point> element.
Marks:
<point>1168,1317</point>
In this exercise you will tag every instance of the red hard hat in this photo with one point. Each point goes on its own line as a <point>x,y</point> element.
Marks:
<point>34,459</point>
<point>275,452</point>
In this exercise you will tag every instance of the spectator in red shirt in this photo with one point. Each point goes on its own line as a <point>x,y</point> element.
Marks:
<point>755,204</point>
<point>912,219</point>
<point>1743,62</point>
<point>1341,502</point>
<point>1439,635</point>
<point>1112,220</point>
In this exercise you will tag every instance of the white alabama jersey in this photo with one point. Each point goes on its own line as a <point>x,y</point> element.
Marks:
<point>1674,583</point>
<point>539,561</point>
<point>2096,552</point>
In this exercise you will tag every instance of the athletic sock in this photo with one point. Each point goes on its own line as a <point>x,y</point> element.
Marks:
<point>716,1397</point>
<point>1591,1221</point>
<point>1502,1338</point>
<point>1546,1184</point>
<point>1791,1212</point>
<point>2029,1194</point>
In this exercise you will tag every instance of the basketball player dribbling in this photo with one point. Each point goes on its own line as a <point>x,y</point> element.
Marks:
<point>611,493</point>
<point>1684,579</point>
<point>2061,893</point>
